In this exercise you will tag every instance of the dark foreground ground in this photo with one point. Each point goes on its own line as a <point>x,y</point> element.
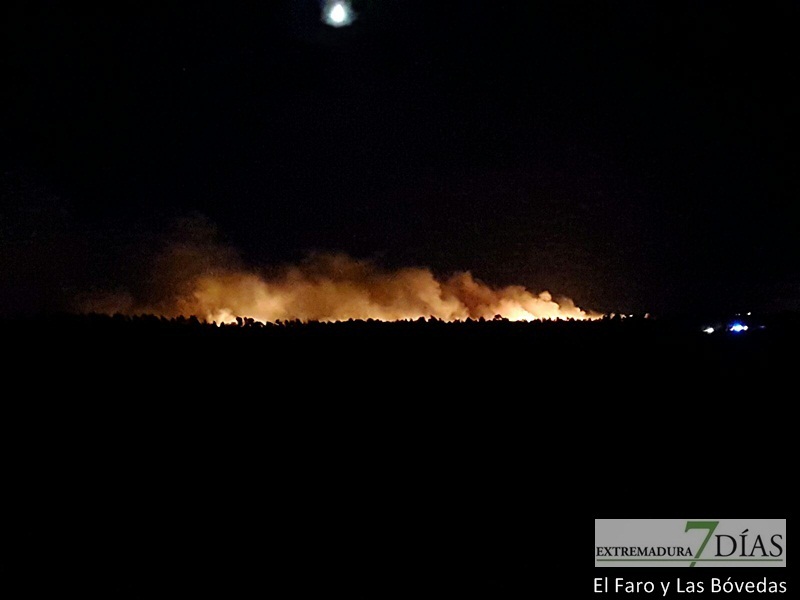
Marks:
<point>145,458</point>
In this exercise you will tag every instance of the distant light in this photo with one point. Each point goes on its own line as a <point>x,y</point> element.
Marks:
<point>338,14</point>
<point>748,314</point>
<point>708,330</point>
<point>738,327</point>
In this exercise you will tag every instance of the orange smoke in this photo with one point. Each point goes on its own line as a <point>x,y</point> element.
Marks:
<point>338,288</point>
<point>193,274</point>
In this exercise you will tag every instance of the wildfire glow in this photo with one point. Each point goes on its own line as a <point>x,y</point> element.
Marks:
<point>193,274</point>
<point>338,288</point>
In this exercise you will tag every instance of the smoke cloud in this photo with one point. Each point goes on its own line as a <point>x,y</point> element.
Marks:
<point>197,276</point>
<point>338,288</point>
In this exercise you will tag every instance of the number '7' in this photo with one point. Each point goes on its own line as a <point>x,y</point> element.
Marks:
<point>710,525</point>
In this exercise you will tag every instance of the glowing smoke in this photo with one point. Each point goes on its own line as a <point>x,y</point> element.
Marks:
<point>194,275</point>
<point>338,288</point>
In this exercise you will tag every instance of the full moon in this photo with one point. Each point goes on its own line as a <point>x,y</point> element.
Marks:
<point>337,14</point>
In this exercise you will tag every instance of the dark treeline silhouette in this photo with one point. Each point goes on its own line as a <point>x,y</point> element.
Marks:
<point>163,458</point>
<point>616,349</point>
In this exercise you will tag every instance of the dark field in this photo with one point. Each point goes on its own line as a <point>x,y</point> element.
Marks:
<point>154,360</point>
<point>147,458</point>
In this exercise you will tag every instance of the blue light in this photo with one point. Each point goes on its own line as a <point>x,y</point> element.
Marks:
<point>737,327</point>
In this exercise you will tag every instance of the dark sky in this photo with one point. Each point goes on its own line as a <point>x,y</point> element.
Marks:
<point>632,155</point>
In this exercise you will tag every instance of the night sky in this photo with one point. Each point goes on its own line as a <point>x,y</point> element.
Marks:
<point>634,156</point>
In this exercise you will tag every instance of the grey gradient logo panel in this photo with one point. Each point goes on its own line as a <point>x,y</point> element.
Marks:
<point>690,542</point>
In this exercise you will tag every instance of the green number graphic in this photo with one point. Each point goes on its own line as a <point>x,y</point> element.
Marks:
<point>710,525</point>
